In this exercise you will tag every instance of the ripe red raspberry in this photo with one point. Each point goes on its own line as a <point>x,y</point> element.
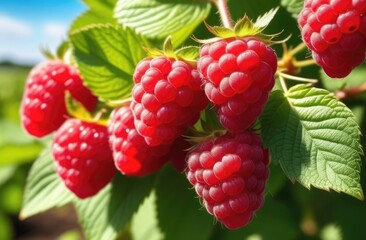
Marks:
<point>238,75</point>
<point>229,173</point>
<point>131,154</point>
<point>43,107</point>
<point>335,32</point>
<point>167,99</point>
<point>83,158</point>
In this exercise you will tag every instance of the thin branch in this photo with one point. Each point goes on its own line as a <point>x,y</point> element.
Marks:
<point>224,13</point>
<point>352,92</point>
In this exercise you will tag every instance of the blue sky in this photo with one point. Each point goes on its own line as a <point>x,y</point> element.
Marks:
<point>26,25</point>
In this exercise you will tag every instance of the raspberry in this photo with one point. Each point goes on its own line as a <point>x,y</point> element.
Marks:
<point>238,75</point>
<point>131,154</point>
<point>167,99</point>
<point>83,158</point>
<point>229,173</point>
<point>335,32</point>
<point>43,107</point>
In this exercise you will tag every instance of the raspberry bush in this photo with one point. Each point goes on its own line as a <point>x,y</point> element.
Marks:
<point>171,127</point>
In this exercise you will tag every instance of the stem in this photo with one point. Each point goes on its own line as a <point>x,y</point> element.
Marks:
<point>224,13</point>
<point>298,49</point>
<point>304,63</point>
<point>349,93</point>
<point>119,103</point>
<point>283,83</point>
<point>295,78</point>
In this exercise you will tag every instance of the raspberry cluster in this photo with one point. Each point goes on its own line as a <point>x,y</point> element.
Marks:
<point>229,173</point>
<point>142,135</point>
<point>238,75</point>
<point>335,31</point>
<point>167,99</point>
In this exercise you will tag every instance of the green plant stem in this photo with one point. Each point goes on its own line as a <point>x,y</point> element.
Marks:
<point>224,13</point>
<point>283,84</point>
<point>296,78</point>
<point>119,103</point>
<point>298,49</point>
<point>304,63</point>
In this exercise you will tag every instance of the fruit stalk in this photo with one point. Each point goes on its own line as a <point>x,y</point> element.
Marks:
<point>224,13</point>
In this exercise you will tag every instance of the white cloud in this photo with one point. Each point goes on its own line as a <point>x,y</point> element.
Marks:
<point>11,28</point>
<point>55,30</point>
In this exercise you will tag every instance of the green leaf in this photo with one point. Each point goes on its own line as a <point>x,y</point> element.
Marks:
<point>106,57</point>
<point>144,224</point>
<point>179,212</point>
<point>104,215</point>
<point>44,190</point>
<point>159,19</point>
<point>104,8</point>
<point>315,138</point>
<point>293,6</point>
<point>88,18</point>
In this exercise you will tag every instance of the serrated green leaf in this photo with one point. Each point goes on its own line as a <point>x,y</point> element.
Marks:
<point>293,6</point>
<point>264,20</point>
<point>104,8</point>
<point>44,190</point>
<point>144,224</point>
<point>188,220</point>
<point>106,57</point>
<point>315,138</point>
<point>90,17</point>
<point>104,215</point>
<point>159,19</point>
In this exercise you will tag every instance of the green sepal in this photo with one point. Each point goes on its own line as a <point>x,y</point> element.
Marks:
<point>76,109</point>
<point>47,53</point>
<point>245,27</point>
<point>188,54</point>
<point>62,49</point>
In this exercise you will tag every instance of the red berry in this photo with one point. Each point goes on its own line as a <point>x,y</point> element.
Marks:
<point>167,99</point>
<point>83,158</point>
<point>132,156</point>
<point>229,173</point>
<point>43,107</point>
<point>335,32</point>
<point>238,76</point>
